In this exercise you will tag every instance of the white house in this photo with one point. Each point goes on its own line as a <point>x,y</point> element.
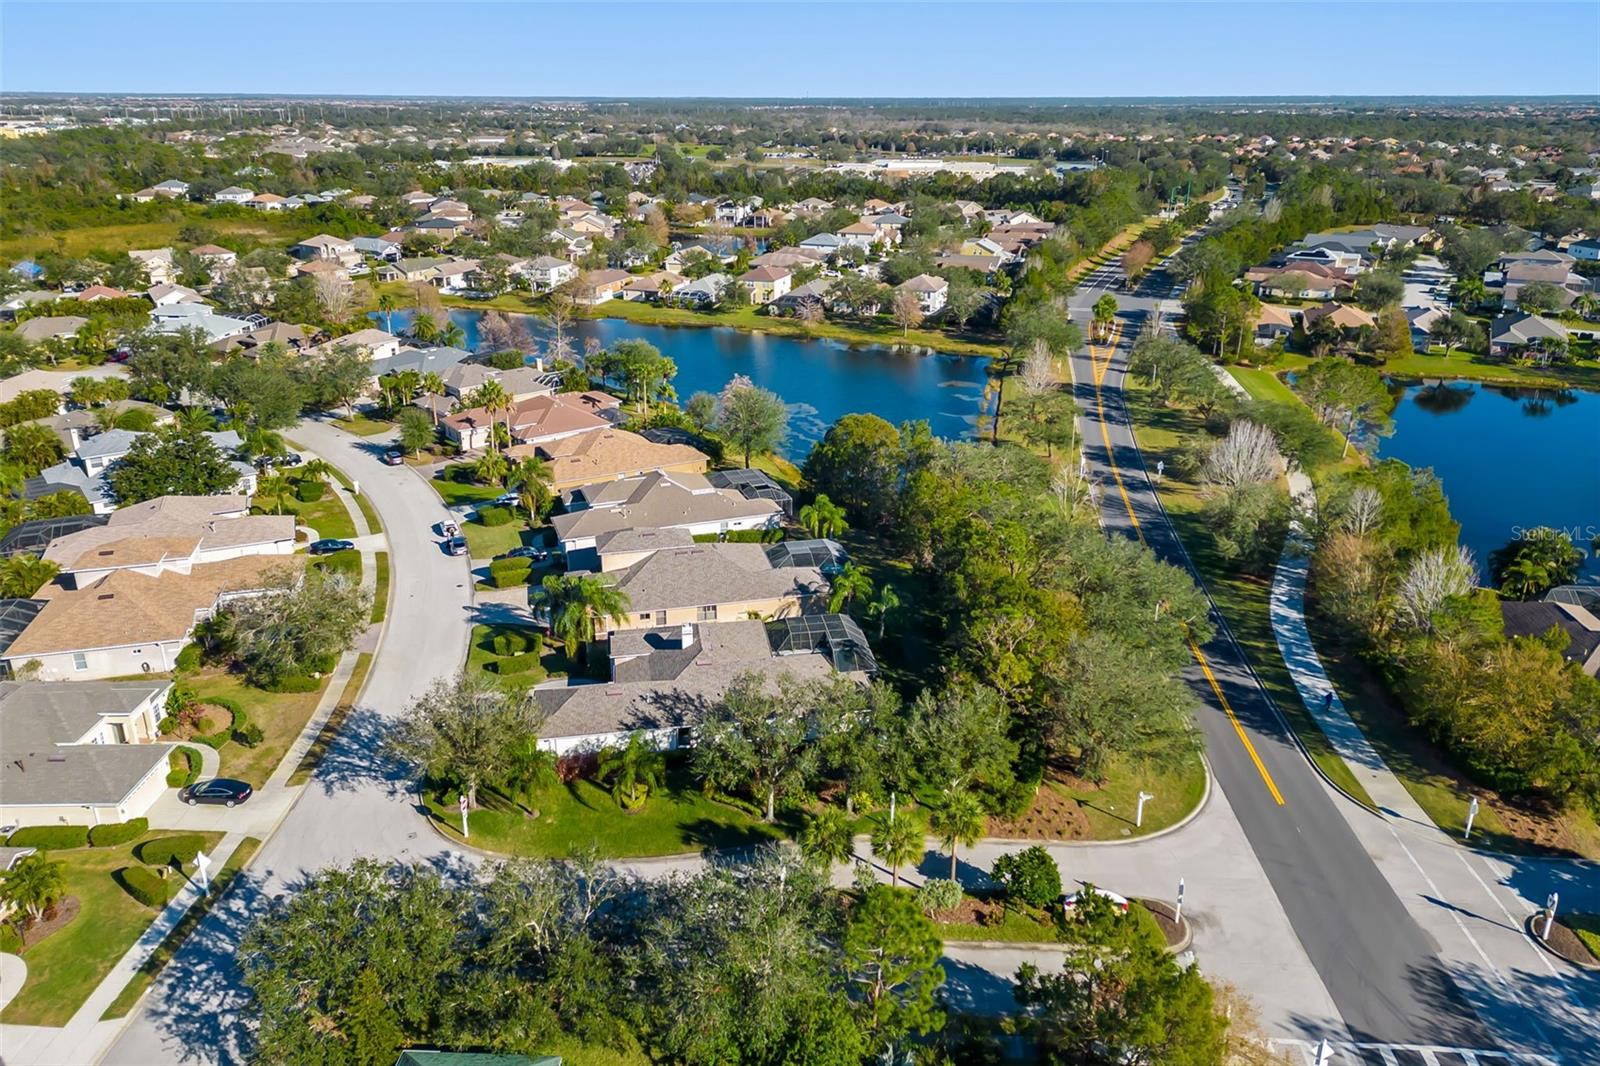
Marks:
<point>233,194</point>
<point>931,292</point>
<point>547,272</point>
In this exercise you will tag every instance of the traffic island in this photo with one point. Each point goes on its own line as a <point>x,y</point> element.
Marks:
<point>1174,927</point>
<point>1565,941</point>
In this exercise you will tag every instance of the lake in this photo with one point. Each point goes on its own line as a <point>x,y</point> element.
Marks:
<point>819,379</point>
<point>1510,459</point>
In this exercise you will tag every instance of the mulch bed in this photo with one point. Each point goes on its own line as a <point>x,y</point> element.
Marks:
<point>1175,930</point>
<point>1564,942</point>
<point>64,913</point>
<point>1051,816</point>
<point>212,719</point>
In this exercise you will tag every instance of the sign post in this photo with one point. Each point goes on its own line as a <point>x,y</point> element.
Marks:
<point>1550,914</point>
<point>1324,1053</point>
<point>1138,816</point>
<point>1472,812</point>
<point>202,871</point>
<point>1177,912</point>
<point>462,803</point>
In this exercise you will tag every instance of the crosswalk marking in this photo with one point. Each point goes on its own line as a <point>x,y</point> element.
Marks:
<point>1372,1054</point>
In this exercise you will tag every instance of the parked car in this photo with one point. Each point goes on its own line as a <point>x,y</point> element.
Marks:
<point>394,457</point>
<point>526,551</point>
<point>223,790</point>
<point>456,545</point>
<point>507,499</point>
<point>329,546</point>
<point>448,529</point>
<point>1070,900</point>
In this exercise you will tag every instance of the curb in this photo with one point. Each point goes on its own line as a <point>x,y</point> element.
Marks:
<point>1007,945</point>
<point>1528,925</point>
<point>1120,842</point>
<point>1168,911</point>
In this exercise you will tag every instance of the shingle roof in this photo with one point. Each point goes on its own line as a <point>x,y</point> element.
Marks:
<point>148,531</point>
<point>706,574</point>
<point>655,500</point>
<point>612,453</point>
<point>40,723</point>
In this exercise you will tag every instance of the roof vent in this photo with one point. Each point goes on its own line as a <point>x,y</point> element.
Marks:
<point>106,596</point>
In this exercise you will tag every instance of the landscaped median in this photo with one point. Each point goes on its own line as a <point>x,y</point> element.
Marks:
<point>66,965</point>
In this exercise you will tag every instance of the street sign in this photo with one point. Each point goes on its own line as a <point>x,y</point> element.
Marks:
<point>1472,812</point>
<point>1177,914</point>
<point>462,803</point>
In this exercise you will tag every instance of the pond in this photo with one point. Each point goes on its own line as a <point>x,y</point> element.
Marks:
<point>819,379</point>
<point>1510,459</point>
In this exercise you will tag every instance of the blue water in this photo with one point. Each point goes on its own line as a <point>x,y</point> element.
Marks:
<point>1510,459</point>
<point>819,379</point>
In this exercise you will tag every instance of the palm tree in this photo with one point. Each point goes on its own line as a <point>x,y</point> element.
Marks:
<point>897,843</point>
<point>424,328</point>
<point>850,582</point>
<point>451,335</point>
<point>887,600</point>
<point>276,488</point>
<point>491,468</point>
<point>316,470</point>
<point>493,398</point>
<point>826,836</point>
<point>822,517</point>
<point>1105,312</point>
<point>576,603</point>
<point>960,821</point>
<point>1524,579</point>
<point>632,771</point>
<point>386,309</point>
<point>35,884</point>
<point>433,385</point>
<point>195,420</point>
<point>531,480</point>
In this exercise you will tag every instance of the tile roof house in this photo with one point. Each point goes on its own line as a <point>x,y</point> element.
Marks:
<point>81,752</point>
<point>712,582</point>
<point>536,420</point>
<point>597,286</point>
<point>657,501</point>
<point>766,283</point>
<point>1342,316</point>
<point>588,458</point>
<point>130,622</point>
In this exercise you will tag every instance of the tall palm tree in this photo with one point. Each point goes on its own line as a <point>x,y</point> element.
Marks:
<point>897,843</point>
<point>433,385</point>
<point>493,398</point>
<point>576,603</point>
<point>386,309</point>
<point>195,420</point>
<point>1524,579</point>
<point>530,478</point>
<point>849,583</point>
<point>822,517</point>
<point>35,883</point>
<point>316,470</point>
<point>424,328</point>
<point>632,771</point>
<point>275,488</point>
<point>451,335</point>
<point>491,468</point>
<point>826,836</point>
<point>887,600</point>
<point>1105,312</point>
<point>960,821</point>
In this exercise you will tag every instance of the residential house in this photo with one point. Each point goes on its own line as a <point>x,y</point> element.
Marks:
<point>576,245</point>
<point>982,246</point>
<point>158,264</point>
<point>546,272</point>
<point>377,247</point>
<point>1513,333</point>
<point>824,244</point>
<point>290,337</point>
<point>788,259</point>
<point>164,294</point>
<point>84,472</point>
<point>1273,323</point>
<point>325,248</point>
<point>100,292</point>
<point>708,583</point>
<point>657,501</point>
<point>1330,256</point>
<point>234,194</point>
<point>987,265</point>
<point>88,751</point>
<point>412,270</point>
<point>218,260</point>
<point>1422,320</point>
<point>10,305</point>
<point>595,287</point>
<point>1557,273</point>
<point>814,291</point>
<point>465,378</point>
<point>171,188</point>
<point>131,622</point>
<point>435,359</point>
<point>1309,280</point>
<point>663,680</point>
<point>1340,316</point>
<point>861,235</point>
<point>534,421</point>
<point>174,318</point>
<point>376,343</point>
<point>812,206</point>
<point>267,201</point>
<point>168,533</point>
<point>55,327</point>
<point>1587,249</point>
<point>931,292</point>
<point>651,286</point>
<point>1576,623</point>
<point>610,454</point>
<point>702,292</point>
<point>765,284</point>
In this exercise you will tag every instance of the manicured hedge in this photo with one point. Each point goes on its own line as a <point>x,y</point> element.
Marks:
<point>517,664</point>
<point>146,886</point>
<point>102,836</point>
<point>50,836</point>
<point>512,642</point>
<point>509,577</point>
<point>310,491</point>
<point>163,851</point>
<point>185,764</point>
<point>494,516</point>
<point>742,536</point>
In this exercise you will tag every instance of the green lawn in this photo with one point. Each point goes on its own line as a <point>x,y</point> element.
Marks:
<point>1244,599</point>
<point>168,947</point>
<point>1175,789</point>
<point>566,819</point>
<point>486,542</point>
<point>1587,926</point>
<point>370,513</point>
<point>1580,374</point>
<point>268,229</point>
<point>380,593</point>
<point>281,716</point>
<point>363,426</point>
<point>328,516</point>
<point>346,562</point>
<point>66,966</point>
<point>481,656</point>
<point>335,721</point>
<point>1017,925</point>
<point>455,493</point>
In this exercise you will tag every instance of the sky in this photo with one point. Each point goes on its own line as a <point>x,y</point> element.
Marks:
<point>816,49</point>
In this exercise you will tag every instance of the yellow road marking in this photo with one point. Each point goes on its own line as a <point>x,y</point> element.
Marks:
<point>1100,370</point>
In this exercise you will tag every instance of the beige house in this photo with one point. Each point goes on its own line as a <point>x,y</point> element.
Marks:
<point>714,582</point>
<point>655,500</point>
<point>590,458</point>
<point>85,753</point>
<point>537,420</point>
<point>766,283</point>
<point>130,622</point>
<point>598,286</point>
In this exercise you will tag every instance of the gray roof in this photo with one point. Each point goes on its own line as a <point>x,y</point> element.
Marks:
<point>632,540</point>
<point>1538,618</point>
<point>40,724</point>
<point>1521,329</point>
<point>67,477</point>
<point>422,360</point>
<point>657,501</point>
<point>707,574</point>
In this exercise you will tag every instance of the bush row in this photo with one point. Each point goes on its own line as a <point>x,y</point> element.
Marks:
<point>164,851</point>
<point>742,536</point>
<point>510,576</point>
<point>494,516</point>
<point>146,886</point>
<point>514,642</point>
<point>517,664</point>
<point>185,766</point>
<point>51,837</point>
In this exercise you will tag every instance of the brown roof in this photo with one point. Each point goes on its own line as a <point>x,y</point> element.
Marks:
<point>1342,315</point>
<point>764,273</point>
<point>595,279</point>
<point>168,527</point>
<point>543,416</point>
<point>1275,315</point>
<point>591,457</point>
<point>127,607</point>
<point>101,292</point>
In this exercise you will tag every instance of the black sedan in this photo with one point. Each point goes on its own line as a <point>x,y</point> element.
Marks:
<point>329,546</point>
<point>223,790</point>
<point>526,551</point>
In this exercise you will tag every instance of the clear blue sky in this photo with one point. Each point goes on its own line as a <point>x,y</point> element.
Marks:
<point>927,49</point>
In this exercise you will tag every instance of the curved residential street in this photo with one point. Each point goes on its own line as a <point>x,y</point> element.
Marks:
<point>1418,943</point>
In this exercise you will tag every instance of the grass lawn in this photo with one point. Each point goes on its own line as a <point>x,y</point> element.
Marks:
<point>1587,926</point>
<point>486,542</point>
<point>330,728</point>
<point>363,426</point>
<point>66,966</point>
<point>1244,599</point>
<point>565,819</point>
<point>1175,790</point>
<point>328,516</point>
<point>147,973</point>
<point>776,467</point>
<point>1016,925</point>
<point>1579,374</point>
<point>346,562</point>
<point>481,656</point>
<point>457,493</point>
<point>281,716</point>
<point>268,229</point>
<point>374,523</point>
<point>380,594</point>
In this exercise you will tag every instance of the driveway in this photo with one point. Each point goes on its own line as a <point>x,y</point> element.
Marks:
<point>357,804</point>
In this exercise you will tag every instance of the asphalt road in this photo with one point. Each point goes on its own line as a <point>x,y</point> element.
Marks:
<point>357,803</point>
<point>1379,967</point>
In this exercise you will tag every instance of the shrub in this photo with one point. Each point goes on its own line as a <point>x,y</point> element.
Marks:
<point>102,836</point>
<point>938,894</point>
<point>145,885</point>
<point>294,683</point>
<point>516,664</point>
<point>50,836</point>
<point>249,736</point>
<point>511,576</point>
<point>510,642</point>
<point>1029,876</point>
<point>10,940</point>
<point>321,664</point>
<point>164,851</point>
<point>500,566</point>
<point>494,516</point>
<point>188,658</point>
<point>185,766</point>
<point>742,536</point>
<point>168,724</point>
<point>310,490</point>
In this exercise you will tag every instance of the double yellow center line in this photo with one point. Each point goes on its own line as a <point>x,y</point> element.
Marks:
<point>1100,362</point>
